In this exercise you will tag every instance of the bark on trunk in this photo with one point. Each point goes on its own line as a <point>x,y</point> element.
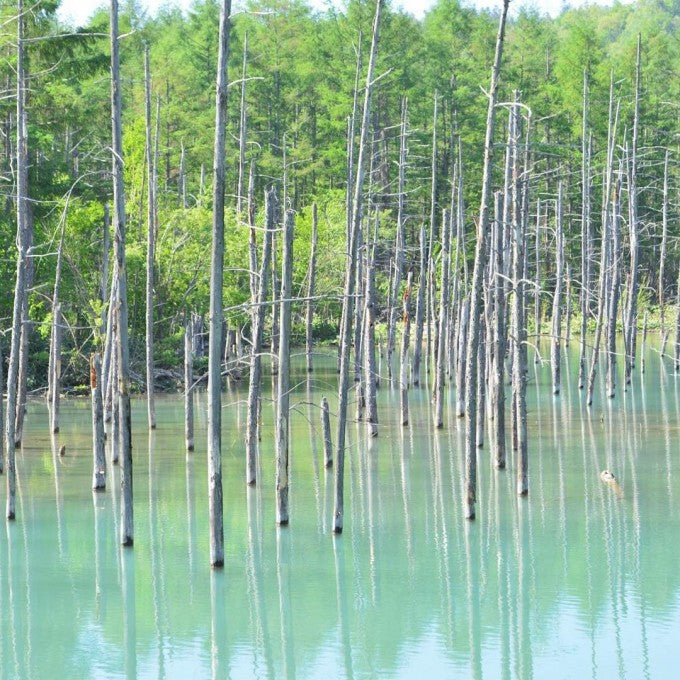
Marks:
<point>123,395</point>
<point>216,279</point>
<point>258,331</point>
<point>283,383</point>
<point>470,486</point>
<point>98,445</point>
<point>357,210</point>
<point>310,292</point>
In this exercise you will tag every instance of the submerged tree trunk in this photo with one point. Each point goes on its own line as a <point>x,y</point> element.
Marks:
<point>150,242</point>
<point>403,359</point>
<point>420,306</point>
<point>98,448</point>
<point>631,311</point>
<point>497,377</point>
<point>556,339</point>
<point>357,210</point>
<point>443,321</point>
<point>283,383</point>
<point>216,281</point>
<point>310,291</point>
<point>396,273</point>
<point>585,236</point>
<point>188,386</point>
<point>123,371</point>
<point>258,330</point>
<point>471,377</point>
<point>22,264</point>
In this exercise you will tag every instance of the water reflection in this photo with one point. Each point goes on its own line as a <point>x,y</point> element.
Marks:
<point>572,577</point>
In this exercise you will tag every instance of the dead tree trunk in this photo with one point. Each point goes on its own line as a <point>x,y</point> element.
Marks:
<point>150,242</point>
<point>22,264</point>
<point>471,377</point>
<point>326,426</point>
<point>98,448</point>
<point>123,372</point>
<point>662,256</point>
<point>420,306</point>
<point>370,367</point>
<point>242,135</point>
<point>283,383</point>
<point>443,321</point>
<point>311,274</point>
<point>430,320</point>
<point>396,273</point>
<point>585,236</point>
<point>614,291</point>
<point>630,316</point>
<point>497,377</point>
<point>188,385</point>
<point>357,210</point>
<point>556,339</point>
<point>403,357</point>
<point>258,331</point>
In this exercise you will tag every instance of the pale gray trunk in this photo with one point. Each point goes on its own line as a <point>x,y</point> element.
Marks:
<point>519,378</point>
<point>462,354</point>
<point>188,387</point>
<point>567,300</point>
<point>370,366</point>
<point>396,272</point>
<point>630,316</point>
<point>470,485</point>
<point>357,210</point>
<point>403,358</point>
<point>614,291</point>
<point>443,320</point>
<point>243,131</point>
<point>98,447</point>
<point>124,430</point>
<point>585,236</point>
<point>430,249</point>
<point>283,383</point>
<point>496,378</point>
<point>22,265</point>
<point>537,282</point>
<point>556,337</point>
<point>150,241</point>
<point>326,426</point>
<point>420,304</point>
<point>258,331</point>
<point>55,374</point>
<point>311,274</point>
<point>643,345</point>
<point>662,255</point>
<point>2,412</point>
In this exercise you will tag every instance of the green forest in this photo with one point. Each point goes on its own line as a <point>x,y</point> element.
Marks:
<point>300,73</point>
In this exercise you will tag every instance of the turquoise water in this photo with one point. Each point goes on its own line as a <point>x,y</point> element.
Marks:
<point>575,581</point>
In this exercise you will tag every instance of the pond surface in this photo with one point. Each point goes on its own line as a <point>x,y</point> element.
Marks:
<point>574,581</point>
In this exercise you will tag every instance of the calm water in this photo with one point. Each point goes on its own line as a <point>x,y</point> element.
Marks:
<point>571,582</point>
